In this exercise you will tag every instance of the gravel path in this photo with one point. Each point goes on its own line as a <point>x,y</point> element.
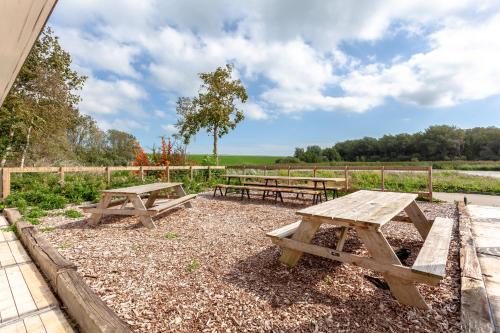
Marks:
<point>211,269</point>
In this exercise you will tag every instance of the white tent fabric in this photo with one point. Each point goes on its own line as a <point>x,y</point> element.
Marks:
<point>21,21</point>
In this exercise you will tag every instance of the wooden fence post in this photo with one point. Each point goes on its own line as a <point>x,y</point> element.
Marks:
<point>289,174</point>
<point>346,176</point>
<point>190,172</point>
<point>61,174</point>
<point>108,175</point>
<point>314,172</point>
<point>5,183</point>
<point>429,183</point>
<point>168,174</point>
<point>209,176</point>
<point>141,171</point>
<point>244,170</point>
<point>265,170</point>
<point>382,180</point>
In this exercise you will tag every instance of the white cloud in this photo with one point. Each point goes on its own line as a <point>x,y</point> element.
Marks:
<point>169,128</point>
<point>254,111</point>
<point>461,66</point>
<point>111,97</point>
<point>126,124</point>
<point>290,45</point>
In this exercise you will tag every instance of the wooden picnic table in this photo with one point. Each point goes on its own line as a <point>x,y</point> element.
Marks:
<point>316,180</point>
<point>145,210</point>
<point>367,212</point>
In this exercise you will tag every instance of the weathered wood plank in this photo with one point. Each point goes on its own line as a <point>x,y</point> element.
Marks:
<point>284,231</point>
<point>348,258</point>
<point>171,203</point>
<point>474,309</point>
<point>142,188</point>
<point>404,291</point>
<point>368,207</point>
<point>418,218</point>
<point>433,255</point>
<point>86,307</point>
<point>304,233</point>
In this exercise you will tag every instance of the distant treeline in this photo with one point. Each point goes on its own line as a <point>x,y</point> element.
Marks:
<point>436,143</point>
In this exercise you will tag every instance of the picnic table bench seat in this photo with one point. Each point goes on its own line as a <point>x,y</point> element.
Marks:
<point>433,255</point>
<point>335,189</point>
<point>277,190</point>
<point>171,203</point>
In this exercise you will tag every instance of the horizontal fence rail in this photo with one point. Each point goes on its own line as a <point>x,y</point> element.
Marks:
<point>313,169</point>
<point>6,172</point>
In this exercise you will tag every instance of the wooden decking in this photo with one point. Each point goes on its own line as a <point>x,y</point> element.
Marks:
<point>485,221</point>
<point>26,302</point>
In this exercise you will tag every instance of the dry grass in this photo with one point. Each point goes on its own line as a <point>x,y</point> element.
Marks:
<point>219,273</point>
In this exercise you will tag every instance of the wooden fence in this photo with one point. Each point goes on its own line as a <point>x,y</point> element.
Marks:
<point>346,170</point>
<point>290,169</point>
<point>106,171</point>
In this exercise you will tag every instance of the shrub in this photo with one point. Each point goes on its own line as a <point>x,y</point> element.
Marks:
<point>53,201</point>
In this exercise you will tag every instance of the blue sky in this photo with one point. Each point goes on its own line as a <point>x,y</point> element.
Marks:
<point>317,72</point>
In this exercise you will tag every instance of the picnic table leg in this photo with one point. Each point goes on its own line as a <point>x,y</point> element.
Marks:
<point>147,221</point>
<point>265,192</point>
<point>404,291</point>
<point>304,233</point>
<point>342,238</point>
<point>418,219</point>
<point>324,190</point>
<point>152,198</point>
<point>95,218</point>
<point>181,193</point>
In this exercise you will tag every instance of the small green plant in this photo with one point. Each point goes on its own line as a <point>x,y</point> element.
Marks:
<point>64,246</point>
<point>171,235</point>
<point>10,228</point>
<point>36,213</point>
<point>328,279</point>
<point>193,265</point>
<point>73,213</point>
<point>47,229</point>
<point>33,220</point>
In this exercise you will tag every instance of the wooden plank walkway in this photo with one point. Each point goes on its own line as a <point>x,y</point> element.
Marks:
<point>26,302</point>
<point>486,233</point>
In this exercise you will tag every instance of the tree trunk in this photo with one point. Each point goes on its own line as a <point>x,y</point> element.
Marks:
<point>8,148</point>
<point>216,137</point>
<point>25,149</point>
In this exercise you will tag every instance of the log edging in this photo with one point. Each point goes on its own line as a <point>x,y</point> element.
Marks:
<point>475,312</point>
<point>82,304</point>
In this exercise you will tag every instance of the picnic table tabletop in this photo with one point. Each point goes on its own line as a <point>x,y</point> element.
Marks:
<point>362,207</point>
<point>142,188</point>
<point>318,179</point>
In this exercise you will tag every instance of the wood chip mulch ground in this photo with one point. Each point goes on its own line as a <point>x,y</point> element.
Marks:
<point>211,268</point>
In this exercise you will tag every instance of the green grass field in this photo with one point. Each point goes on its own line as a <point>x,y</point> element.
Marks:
<point>237,159</point>
<point>443,165</point>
